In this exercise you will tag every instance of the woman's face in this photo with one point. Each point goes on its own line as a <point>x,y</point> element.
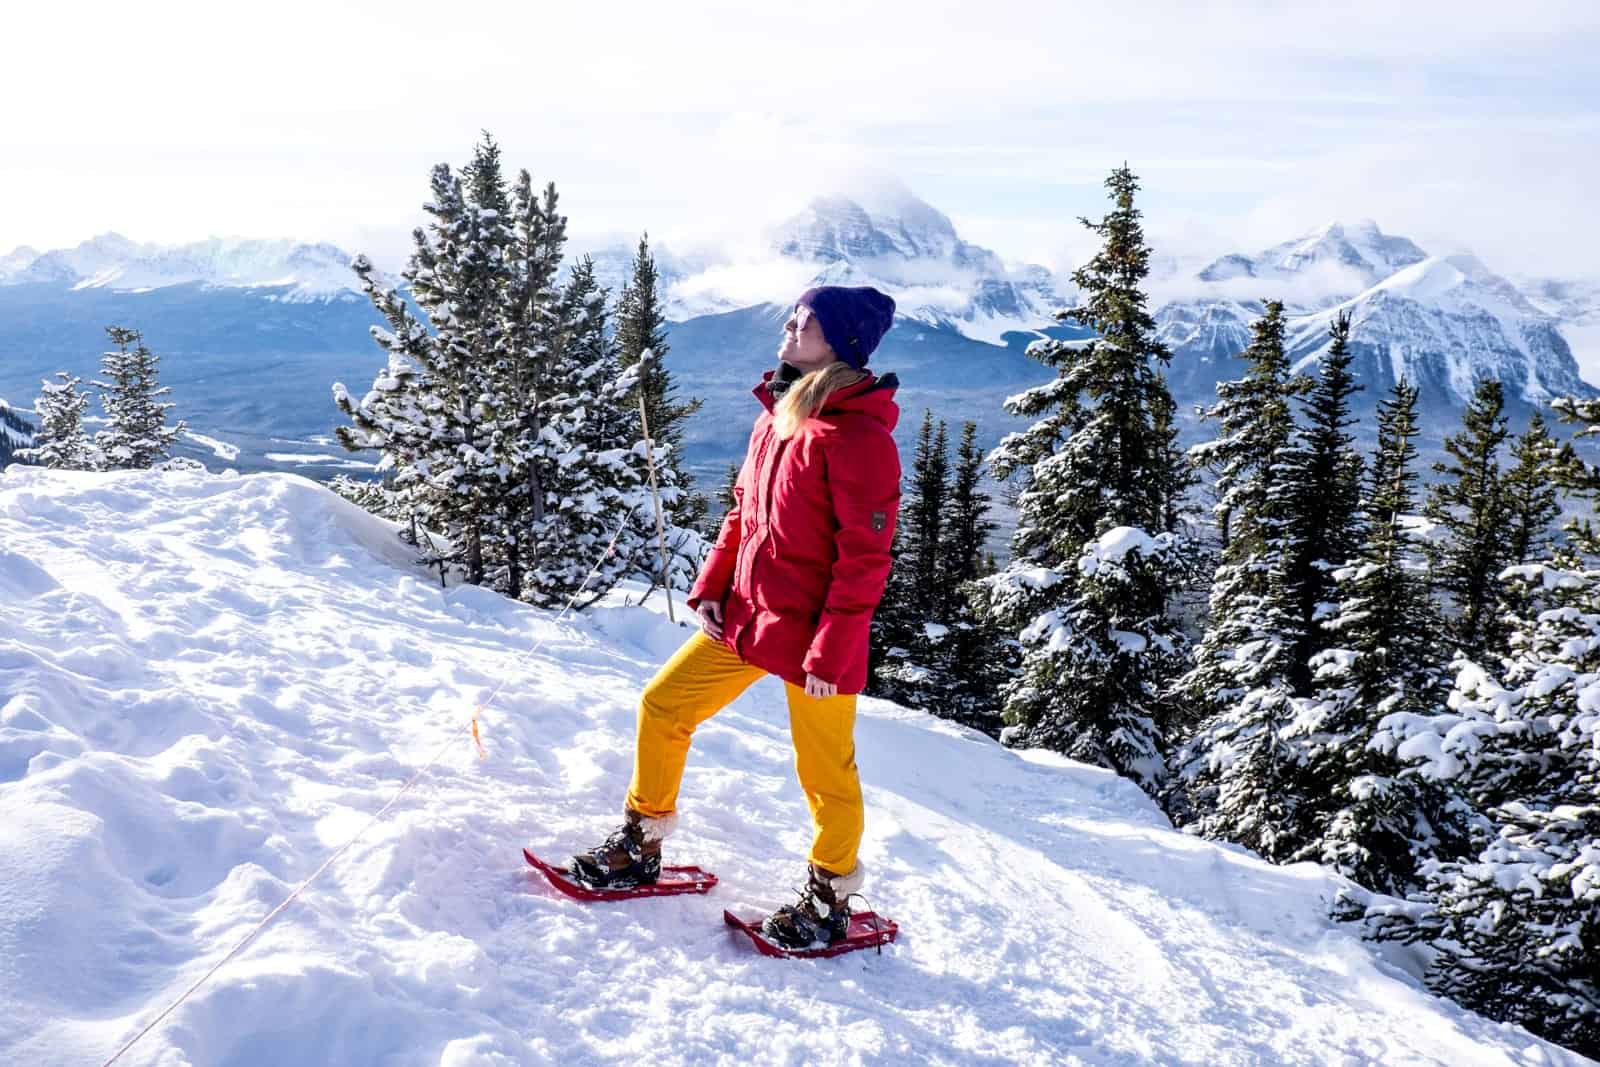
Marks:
<point>803,345</point>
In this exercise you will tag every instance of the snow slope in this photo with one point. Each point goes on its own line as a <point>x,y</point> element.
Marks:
<point>209,682</point>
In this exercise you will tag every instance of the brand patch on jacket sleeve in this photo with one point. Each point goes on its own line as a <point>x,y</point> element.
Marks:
<point>880,519</point>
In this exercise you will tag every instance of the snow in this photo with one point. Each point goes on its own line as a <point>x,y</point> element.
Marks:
<point>211,682</point>
<point>221,449</point>
<point>319,458</point>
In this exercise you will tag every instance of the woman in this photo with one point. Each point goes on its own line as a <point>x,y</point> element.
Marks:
<point>789,589</point>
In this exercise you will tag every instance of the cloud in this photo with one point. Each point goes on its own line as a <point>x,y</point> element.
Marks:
<point>1248,121</point>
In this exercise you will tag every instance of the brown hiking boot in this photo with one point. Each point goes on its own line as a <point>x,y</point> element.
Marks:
<point>820,917</point>
<point>630,856</point>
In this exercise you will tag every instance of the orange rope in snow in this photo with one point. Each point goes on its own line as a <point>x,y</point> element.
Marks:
<point>381,812</point>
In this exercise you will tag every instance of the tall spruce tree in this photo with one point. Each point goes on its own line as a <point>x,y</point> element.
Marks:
<point>1469,504</point>
<point>725,496</point>
<point>1532,503</point>
<point>976,657</point>
<point>579,453</point>
<point>925,549</point>
<point>1323,474</point>
<point>904,671</point>
<point>1250,609</point>
<point>458,274</point>
<point>60,441</point>
<point>1093,560</point>
<point>1364,817</point>
<point>137,435</point>
<point>968,526</point>
<point>1230,773</point>
<point>400,414</point>
<point>641,328</point>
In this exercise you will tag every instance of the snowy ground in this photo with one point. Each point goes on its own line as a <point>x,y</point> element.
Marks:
<point>208,683</point>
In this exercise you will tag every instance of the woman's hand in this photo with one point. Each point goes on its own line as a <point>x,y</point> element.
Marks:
<point>816,687</point>
<point>710,612</point>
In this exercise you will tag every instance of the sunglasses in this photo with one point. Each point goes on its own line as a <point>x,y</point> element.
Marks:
<point>802,315</point>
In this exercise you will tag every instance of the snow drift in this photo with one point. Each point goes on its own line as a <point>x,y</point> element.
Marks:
<point>208,683</point>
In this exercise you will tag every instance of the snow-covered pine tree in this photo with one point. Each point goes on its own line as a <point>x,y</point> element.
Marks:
<point>1515,928</point>
<point>920,567</point>
<point>977,658</point>
<point>60,441</point>
<point>16,432</point>
<point>1093,564</point>
<point>968,527</point>
<point>593,455</point>
<point>561,503</point>
<point>642,327</point>
<point>1361,815</point>
<point>725,495</point>
<point>1532,503</point>
<point>1469,505</point>
<point>400,415</point>
<point>909,622</point>
<point>1323,475</point>
<point>137,435</point>
<point>458,276</point>
<point>1230,774</point>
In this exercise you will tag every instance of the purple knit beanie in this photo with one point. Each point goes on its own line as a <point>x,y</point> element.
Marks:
<point>854,318</point>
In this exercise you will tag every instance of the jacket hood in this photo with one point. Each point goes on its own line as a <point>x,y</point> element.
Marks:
<point>873,395</point>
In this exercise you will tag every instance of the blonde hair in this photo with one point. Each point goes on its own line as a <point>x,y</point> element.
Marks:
<point>806,395</point>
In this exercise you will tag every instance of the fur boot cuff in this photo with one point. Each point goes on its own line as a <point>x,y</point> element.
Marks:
<point>653,828</point>
<point>845,884</point>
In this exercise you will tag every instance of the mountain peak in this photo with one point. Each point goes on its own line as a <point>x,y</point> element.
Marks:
<point>110,260</point>
<point>1323,266</point>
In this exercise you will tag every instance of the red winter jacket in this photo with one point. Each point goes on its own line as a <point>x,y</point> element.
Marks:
<point>803,554</point>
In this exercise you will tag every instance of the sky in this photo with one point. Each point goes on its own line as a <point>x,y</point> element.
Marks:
<point>1462,126</point>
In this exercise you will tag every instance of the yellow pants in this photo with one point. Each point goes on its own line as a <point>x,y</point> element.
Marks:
<point>701,679</point>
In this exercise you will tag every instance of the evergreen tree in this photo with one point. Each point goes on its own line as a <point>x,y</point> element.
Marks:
<point>137,435</point>
<point>1323,473</point>
<point>641,328</point>
<point>1515,927</point>
<point>400,414</point>
<point>935,650</point>
<point>60,441</point>
<point>1174,474</point>
<point>458,275</point>
<point>1469,505</point>
<point>925,550</point>
<point>904,668</point>
<point>1252,625</point>
<point>1093,562</point>
<point>1231,772</point>
<point>1363,817</point>
<point>509,422</point>
<point>1532,503</point>
<point>16,432</point>
<point>968,528</point>
<point>725,496</point>
<point>978,658</point>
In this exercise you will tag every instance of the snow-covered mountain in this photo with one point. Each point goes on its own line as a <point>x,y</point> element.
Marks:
<point>214,683</point>
<point>878,234</point>
<point>1319,265</point>
<point>111,261</point>
<point>1445,322</point>
<point>912,251</point>
<point>1575,304</point>
<point>1450,321</point>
